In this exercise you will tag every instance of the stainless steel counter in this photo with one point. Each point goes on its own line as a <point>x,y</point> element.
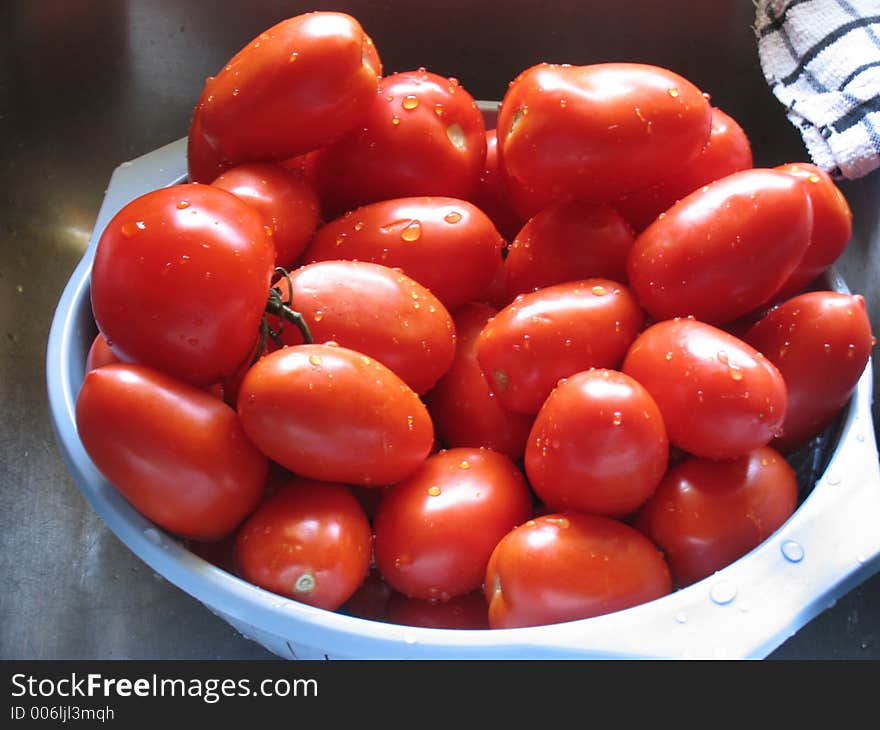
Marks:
<point>85,86</point>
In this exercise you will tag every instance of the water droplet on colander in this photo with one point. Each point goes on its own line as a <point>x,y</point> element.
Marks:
<point>153,535</point>
<point>792,551</point>
<point>681,617</point>
<point>723,592</point>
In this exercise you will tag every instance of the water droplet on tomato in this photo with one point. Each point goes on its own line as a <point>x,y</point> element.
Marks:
<point>434,491</point>
<point>315,360</point>
<point>410,102</point>
<point>293,56</point>
<point>599,290</point>
<point>672,92</point>
<point>452,216</point>
<point>464,464</point>
<point>455,133</point>
<point>183,205</point>
<point>412,232</point>
<point>395,120</point>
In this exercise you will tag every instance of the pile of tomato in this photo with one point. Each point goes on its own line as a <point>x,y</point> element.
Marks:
<point>378,358</point>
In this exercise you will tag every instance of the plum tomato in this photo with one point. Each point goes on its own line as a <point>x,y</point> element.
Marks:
<point>100,353</point>
<point>180,281</point>
<point>820,342</point>
<point>723,250</point>
<point>461,612</point>
<point>447,245</point>
<point>287,202</point>
<point>296,87</point>
<point>375,310</point>
<point>310,541</point>
<point>492,195</point>
<point>463,407</point>
<point>330,413</point>
<point>434,531</point>
<point>204,163</point>
<point>832,226</point>
<point>422,134</point>
<point>178,454</point>
<point>707,513</point>
<point>553,333</point>
<point>566,241</point>
<point>601,130</point>
<point>564,567</point>
<point>727,151</point>
<point>719,397</point>
<point>371,598</point>
<point>598,445</point>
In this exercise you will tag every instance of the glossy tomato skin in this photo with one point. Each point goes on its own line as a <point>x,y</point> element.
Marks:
<point>180,281</point>
<point>204,163</point>
<point>719,397</point>
<point>564,567</point>
<point>446,244</point>
<point>598,445</point>
<point>375,310</point>
<point>310,542</point>
<point>463,407</point>
<point>727,151</point>
<point>553,333</point>
<point>100,353</point>
<point>723,250</point>
<point>492,195</point>
<point>707,513</point>
<point>296,87</point>
<point>434,531</point>
<point>601,130</point>
<point>422,134</point>
<point>330,413</point>
<point>832,226</point>
<point>287,202</point>
<point>178,454</point>
<point>820,342</point>
<point>566,241</point>
<point>461,612</point>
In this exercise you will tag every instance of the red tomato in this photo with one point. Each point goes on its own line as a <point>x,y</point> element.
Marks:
<point>563,567</point>
<point>719,397</point>
<point>567,241</point>
<point>727,151</point>
<point>298,86</point>
<point>220,553</point>
<point>371,598</point>
<point>723,250</point>
<point>821,342</point>
<point>832,226</point>
<point>492,196</point>
<point>375,310</point>
<point>598,445</point>
<point>100,353</point>
<point>287,202</point>
<point>705,514</point>
<point>445,244</point>
<point>465,410</point>
<point>553,333</point>
<point>204,163</point>
<point>422,134</point>
<point>310,541</point>
<point>180,281</point>
<point>461,612</point>
<point>178,454</point>
<point>599,131</point>
<point>435,530</point>
<point>330,413</point>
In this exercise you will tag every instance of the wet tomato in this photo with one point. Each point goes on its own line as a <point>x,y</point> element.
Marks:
<point>435,530</point>
<point>563,567</point>
<point>492,195</point>
<point>99,353</point>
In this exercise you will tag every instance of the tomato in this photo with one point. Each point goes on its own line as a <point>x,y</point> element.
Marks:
<point>567,241</point>
<point>204,163</point>
<point>598,445</point>
<point>832,226</point>
<point>727,151</point>
<point>299,85</point>
<point>422,134</point>
<point>563,567</point>
<point>178,454</point>
<point>463,407</point>
<point>821,342</point>
<point>310,542</point>
<point>371,598</point>
<point>287,202</point>
<point>553,333</point>
<point>100,353</point>
<point>705,514</point>
<point>461,612</point>
<point>375,310</point>
<point>723,250</point>
<point>180,281</point>
<point>447,245</point>
<point>327,412</point>
<point>220,553</point>
<point>435,530</point>
<point>601,130</point>
<point>719,397</point>
<point>492,195</point>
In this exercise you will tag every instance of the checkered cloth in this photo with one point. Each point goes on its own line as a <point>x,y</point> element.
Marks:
<point>822,61</point>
